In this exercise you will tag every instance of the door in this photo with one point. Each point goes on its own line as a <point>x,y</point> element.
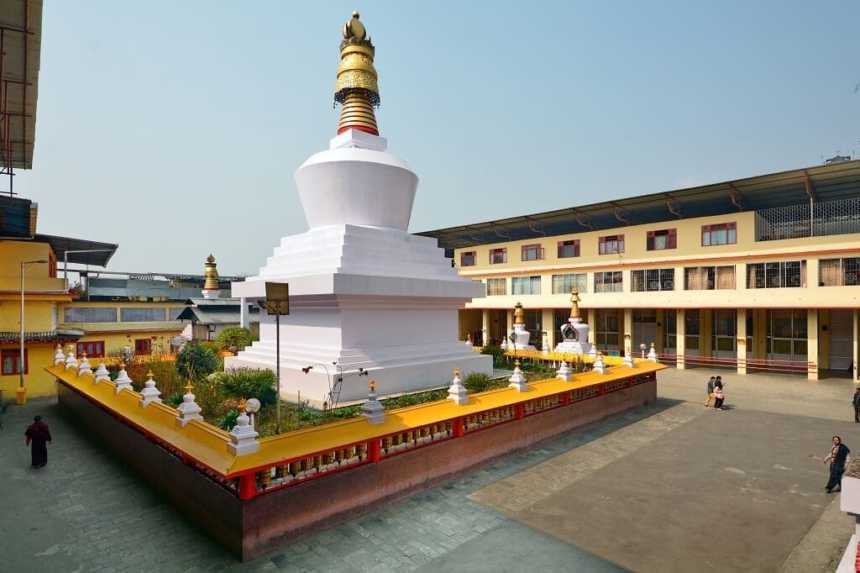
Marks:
<point>841,345</point>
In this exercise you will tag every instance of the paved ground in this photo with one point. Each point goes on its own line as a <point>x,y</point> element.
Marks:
<point>654,489</point>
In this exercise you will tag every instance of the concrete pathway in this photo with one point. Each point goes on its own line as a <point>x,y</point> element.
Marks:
<point>644,490</point>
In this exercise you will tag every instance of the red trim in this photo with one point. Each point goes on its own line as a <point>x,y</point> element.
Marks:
<point>358,128</point>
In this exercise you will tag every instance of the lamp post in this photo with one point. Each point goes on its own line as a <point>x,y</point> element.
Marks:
<point>21,392</point>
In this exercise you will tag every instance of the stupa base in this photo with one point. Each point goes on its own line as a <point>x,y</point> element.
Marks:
<point>573,347</point>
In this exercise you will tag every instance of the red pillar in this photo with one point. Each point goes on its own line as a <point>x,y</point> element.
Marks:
<point>247,486</point>
<point>459,429</point>
<point>374,450</point>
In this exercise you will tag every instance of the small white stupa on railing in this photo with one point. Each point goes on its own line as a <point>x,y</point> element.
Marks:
<point>652,353</point>
<point>188,409</point>
<point>84,367</point>
<point>518,379</point>
<point>372,408</point>
<point>150,393</point>
<point>71,361</point>
<point>102,374</point>
<point>122,380</point>
<point>564,372</point>
<point>599,365</point>
<point>59,357</point>
<point>243,437</point>
<point>457,393</point>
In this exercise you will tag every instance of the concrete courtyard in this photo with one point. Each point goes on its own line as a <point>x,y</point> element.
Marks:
<point>674,487</point>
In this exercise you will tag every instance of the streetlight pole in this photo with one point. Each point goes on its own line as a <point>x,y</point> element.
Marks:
<point>21,393</point>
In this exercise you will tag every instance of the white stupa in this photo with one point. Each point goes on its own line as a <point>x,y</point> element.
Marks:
<point>365,295</point>
<point>574,332</point>
<point>519,337</point>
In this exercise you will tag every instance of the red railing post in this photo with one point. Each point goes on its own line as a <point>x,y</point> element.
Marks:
<point>564,399</point>
<point>374,450</point>
<point>247,486</point>
<point>458,427</point>
<point>520,411</point>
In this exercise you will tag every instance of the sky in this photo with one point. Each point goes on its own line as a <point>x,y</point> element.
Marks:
<point>174,128</point>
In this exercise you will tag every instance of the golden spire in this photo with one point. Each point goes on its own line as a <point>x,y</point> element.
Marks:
<point>574,303</point>
<point>519,314</point>
<point>356,88</point>
<point>210,272</point>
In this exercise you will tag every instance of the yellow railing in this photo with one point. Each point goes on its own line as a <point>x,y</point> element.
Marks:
<point>302,454</point>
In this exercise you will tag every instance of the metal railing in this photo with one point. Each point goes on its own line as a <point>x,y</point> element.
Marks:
<point>836,217</point>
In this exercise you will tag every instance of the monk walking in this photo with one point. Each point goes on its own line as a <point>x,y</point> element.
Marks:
<point>37,437</point>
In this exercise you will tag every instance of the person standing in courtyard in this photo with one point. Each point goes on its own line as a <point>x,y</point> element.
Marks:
<point>856,401</point>
<point>37,437</point>
<point>709,388</point>
<point>838,458</point>
<point>719,397</point>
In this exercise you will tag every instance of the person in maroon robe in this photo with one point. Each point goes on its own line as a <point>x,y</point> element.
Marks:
<point>37,437</point>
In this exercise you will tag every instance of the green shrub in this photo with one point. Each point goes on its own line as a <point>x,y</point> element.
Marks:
<point>196,361</point>
<point>228,420</point>
<point>249,383</point>
<point>233,339</point>
<point>174,399</point>
<point>496,352</point>
<point>477,382</point>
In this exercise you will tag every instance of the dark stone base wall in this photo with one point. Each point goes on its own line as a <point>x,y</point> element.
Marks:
<point>250,529</point>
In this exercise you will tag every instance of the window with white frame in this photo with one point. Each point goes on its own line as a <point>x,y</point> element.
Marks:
<point>525,285</point>
<point>563,284</point>
<point>497,287</point>
<point>609,281</point>
<point>780,274</point>
<point>652,280</point>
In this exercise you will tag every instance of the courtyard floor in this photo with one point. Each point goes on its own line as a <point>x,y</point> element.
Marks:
<point>674,487</point>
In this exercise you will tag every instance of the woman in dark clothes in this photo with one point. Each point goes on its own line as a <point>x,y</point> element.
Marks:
<point>37,437</point>
<point>838,458</point>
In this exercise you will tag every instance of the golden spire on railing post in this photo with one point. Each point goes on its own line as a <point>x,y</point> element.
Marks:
<point>519,314</point>
<point>210,273</point>
<point>356,88</point>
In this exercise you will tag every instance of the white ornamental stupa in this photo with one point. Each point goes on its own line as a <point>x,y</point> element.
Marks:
<point>519,337</point>
<point>366,297</point>
<point>574,332</point>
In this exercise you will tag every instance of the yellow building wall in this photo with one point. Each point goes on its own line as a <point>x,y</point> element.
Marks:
<point>38,315</point>
<point>36,277</point>
<point>39,383</point>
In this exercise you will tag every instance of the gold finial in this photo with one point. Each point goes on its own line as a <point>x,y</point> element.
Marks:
<point>242,405</point>
<point>574,303</point>
<point>210,273</point>
<point>519,314</point>
<point>517,363</point>
<point>84,355</point>
<point>372,385</point>
<point>122,365</point>
<point>456,371</point>
<point>189,387</point>
<point>149,374</point>
<point>356,88</point>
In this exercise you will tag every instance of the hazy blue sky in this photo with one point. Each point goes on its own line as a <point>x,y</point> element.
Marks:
<point>174,128</point>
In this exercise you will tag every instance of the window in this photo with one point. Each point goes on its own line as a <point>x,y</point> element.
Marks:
<point>498,256</point>
<point>786,334</point>
<point>719,234</point>
<point>525,285</point>
<point>531,253</point>
<point>661,240</point>
<point>691,330</point>
<point>143,346</point>
<point>670,329</point>
<point>709,278</point>
<point>468,259</point>
<point>11,361</point>
<point>606,335</point>
<point>723,330</point>
<point>839,272</point>
<point>89,314</point>
<point>143,314</point>
<point>497,287</point>
<point>653,279</point>
<point>784,274</point>
<point>611,244</point>
<point>611,281</point>
<point>567,249</point>
<point>563,284</point>
<point>94,349</point>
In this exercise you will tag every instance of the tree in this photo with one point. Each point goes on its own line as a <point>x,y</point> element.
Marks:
<point>234,338</point>
<point>195,362</point>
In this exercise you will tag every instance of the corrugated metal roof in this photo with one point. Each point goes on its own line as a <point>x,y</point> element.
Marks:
<point>827,182</point>
<point>21,38</point>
